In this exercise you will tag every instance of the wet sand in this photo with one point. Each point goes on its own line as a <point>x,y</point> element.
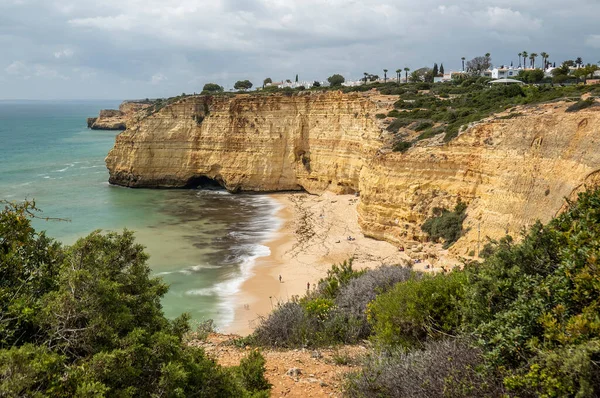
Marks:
<point>313,236</point>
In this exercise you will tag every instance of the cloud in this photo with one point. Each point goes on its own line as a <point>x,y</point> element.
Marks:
<point>593,41</point>
<point>16,68</point>
<point>197,41</point>
<point>66,53</point>
<point>27,71</point>
<point>158,78</point>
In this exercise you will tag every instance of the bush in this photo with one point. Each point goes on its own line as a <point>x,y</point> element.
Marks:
<point>422,125</point>
<point>581,105</point>
<point>283,327</point>
<point>380,116</point>
<point>401,146</point>
<point>86,320</point>
<point>252,371</point>
<point>446,368</point>
<point>533,306</point>
<point>446,224</point>
<point>397,124</point>
<point>337,276</point>
<point>354,297</point>
<point>417,310</point>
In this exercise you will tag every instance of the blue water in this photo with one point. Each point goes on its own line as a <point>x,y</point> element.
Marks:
<point>202,243</point>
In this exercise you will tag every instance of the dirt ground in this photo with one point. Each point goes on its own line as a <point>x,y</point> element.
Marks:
<point>320,371</point>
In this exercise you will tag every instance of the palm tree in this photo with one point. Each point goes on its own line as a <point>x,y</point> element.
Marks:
<point>524,54</point>
<point>579,62</point>
<point>463,63</point>
<point>520,59</point>
<point>385,75</point>
<point>398,73</point>
<point>366,74</point>
<point>532,58</point>
<point>406,73</point>
<point>544,56</point>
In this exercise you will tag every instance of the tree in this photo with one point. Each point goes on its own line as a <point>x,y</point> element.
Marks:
<point>531,76</point>
<point>336,80</point>
<point>463,63</point>
<point>268,80</point>
<point>524,54</point>
<point>591,69</point>
<point>435,70</point>
<point>544,56</point>
<point>317,84</point>
<point>212,88</point>
<point>296,78</point>
<point>580,73</point>
<point>406,73</point>
<point>532,57</point>
<point>366,74</point>
<point>578,62</point>
<point>242,85</point>
<point>520,59</point>
<point>442,69</point>
<point>415,77</point>
<point>398,75</point>
<point>385,75</point>
<point>87,320</point>
<point>478,65</point>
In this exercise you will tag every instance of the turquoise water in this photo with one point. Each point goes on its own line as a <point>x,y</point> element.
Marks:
<point>202,243</point>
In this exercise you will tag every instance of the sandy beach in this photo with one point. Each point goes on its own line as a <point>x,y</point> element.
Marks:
<point>314,235</point>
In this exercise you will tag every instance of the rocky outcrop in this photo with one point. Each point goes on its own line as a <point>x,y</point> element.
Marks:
<point>112,119</point>
<point>258,143</point>
<point>510,172</point>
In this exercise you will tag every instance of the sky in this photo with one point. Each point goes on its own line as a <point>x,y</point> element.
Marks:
<point>128,49</point>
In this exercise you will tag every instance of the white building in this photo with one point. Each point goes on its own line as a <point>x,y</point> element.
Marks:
<point>504,72</point>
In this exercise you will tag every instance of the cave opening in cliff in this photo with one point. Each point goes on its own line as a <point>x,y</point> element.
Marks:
<point>204,182</point>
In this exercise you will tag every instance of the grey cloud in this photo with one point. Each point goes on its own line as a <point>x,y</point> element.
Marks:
<point>133,48</point>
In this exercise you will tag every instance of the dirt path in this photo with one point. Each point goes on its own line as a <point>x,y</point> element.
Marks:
<point>320,371</point>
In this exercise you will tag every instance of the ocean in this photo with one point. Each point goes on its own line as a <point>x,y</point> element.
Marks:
<point>203,243</point>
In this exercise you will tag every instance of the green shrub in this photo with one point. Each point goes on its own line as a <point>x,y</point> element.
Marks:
<point>396,125</point>
<point>380,116</point>
<point>431,132</point>
<point>318,307</point>
<point>581,105</point>
<point>86,320</point>
<point>422,125</point>
<point>339,275</point>
<point>401,146</point>
<point>252,372</point>
<point>446,224</point>
<point>417,310</point>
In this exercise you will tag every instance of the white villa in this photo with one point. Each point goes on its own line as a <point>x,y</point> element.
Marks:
<point>504,72</point>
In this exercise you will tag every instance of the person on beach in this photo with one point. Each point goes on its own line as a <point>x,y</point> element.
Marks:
<point>307,285</point>
<point>279,278</point>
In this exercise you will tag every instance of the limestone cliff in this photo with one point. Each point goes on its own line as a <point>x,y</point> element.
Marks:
<point>113,119</point>
<point>511,172</point>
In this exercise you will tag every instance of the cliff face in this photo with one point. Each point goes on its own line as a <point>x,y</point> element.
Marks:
<point>112,119</point>
<point>509,172</point>
<point>257,143</point>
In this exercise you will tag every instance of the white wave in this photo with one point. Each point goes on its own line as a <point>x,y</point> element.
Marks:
<point>65,169</point>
